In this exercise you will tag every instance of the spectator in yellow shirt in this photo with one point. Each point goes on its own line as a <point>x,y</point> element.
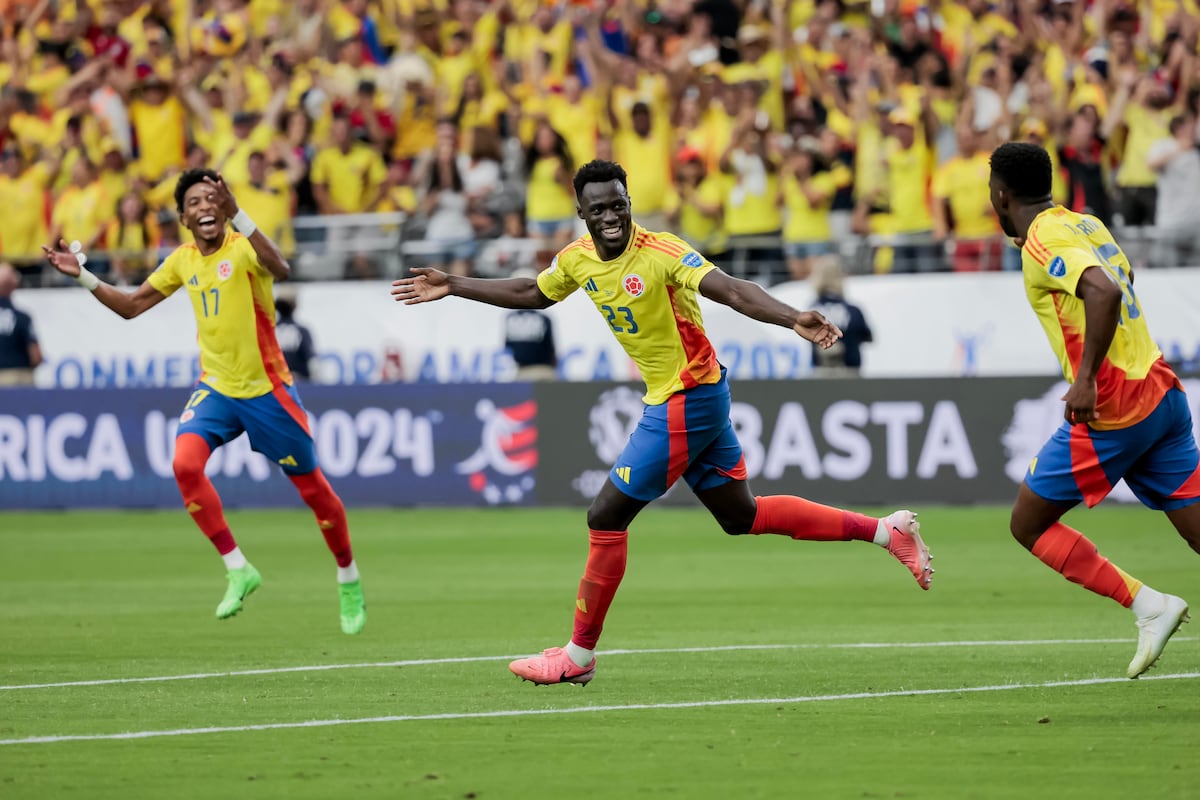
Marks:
<point>267,196</point>
<point>23,200</point>
<point>131,240</point>
<point>697,214</point>
<point>909,165</point>
<point>752,215</point>
<point>1142,107</point>
<point>159,127</point>
<point>82,211</point>
<point>346,175</point>
<point>962,208</point>
<point>807,190</point>
<point>644,151</point>
<point>549,195</point>
<point>347,178</point>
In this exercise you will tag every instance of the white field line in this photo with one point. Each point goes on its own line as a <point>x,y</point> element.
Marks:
<point>424,662</point>
<point>537,712</point>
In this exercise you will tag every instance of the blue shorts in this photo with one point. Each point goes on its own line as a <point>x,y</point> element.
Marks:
<point>546,228</point>
<point>807,249</point>
<point>689,435</point>
<point>275,422</point>
<point>1157,457</point>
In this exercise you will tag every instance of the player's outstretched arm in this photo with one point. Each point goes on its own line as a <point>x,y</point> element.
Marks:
<point>426,285</point>
<point>269,254</point>
<point>127,304</point>
<point>750,299</point>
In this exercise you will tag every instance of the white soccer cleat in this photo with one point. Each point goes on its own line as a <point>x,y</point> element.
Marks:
<point>1154,630</point>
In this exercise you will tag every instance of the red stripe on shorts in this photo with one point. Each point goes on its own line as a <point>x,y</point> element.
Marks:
<point>1085,464</point>
<point>292,407</point>
<point>677,443</point>
<point>1190,488</point>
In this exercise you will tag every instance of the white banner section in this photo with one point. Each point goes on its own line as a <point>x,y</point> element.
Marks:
<point>924,325</point>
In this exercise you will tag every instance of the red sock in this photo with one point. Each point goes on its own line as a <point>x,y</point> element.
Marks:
<point>802,519</point>
<point>201,499</point>
<point>1069,552</point>
<point>605,567</point>
<point>331,514</point>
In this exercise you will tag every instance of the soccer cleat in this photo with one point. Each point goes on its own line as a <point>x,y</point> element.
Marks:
<point>1154,631</point>
<point>552,666</point>
<point>354,607</point>
<point>242,583</point>
<point>906,545</point>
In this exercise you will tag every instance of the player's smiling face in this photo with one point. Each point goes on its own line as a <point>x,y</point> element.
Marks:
<point>202,215</point>
<point>606,210</point>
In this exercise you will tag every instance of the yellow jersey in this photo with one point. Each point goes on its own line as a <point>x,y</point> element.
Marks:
<point>962,183</point>
<point>82,212</point>
<point>648,162</point>
<point>350,178</point>
<point>547,198</point>
<point>807,222</point>
<point>1133,377</point>
<point>160,133</point>
<point>648,297</point>
<point>909,173</point>
<point>23,223</point>
<point>231,297</point>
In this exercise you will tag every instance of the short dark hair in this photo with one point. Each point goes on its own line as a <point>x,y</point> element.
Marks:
<point>599,172</point>
<point>1025,169</point>
<point>189,179</point>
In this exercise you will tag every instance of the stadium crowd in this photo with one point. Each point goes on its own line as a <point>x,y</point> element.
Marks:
<point>768,133</point>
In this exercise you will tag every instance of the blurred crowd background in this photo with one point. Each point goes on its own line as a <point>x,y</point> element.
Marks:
<point>775,135</point>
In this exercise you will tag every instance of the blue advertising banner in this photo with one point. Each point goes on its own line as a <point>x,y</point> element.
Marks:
<point>381,445</point>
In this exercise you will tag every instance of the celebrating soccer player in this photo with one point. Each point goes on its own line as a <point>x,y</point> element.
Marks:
<point>245,384</point>
<point>645,285</point>
<point>1126,414</point>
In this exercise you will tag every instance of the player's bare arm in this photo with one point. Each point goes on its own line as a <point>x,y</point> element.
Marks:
<point>269,254</point>
<point>127,304</point>
<point>1101,298</point>
<point>426,285</point>
<point>750,299</point>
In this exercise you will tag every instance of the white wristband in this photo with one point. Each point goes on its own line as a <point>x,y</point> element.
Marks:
<point>87,280</point>
<point>243,224</point>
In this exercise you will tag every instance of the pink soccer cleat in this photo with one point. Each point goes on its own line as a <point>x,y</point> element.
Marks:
<point>552,666</point>
<point>907,547</point>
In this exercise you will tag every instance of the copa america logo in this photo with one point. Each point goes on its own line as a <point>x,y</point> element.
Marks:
<point>501,470</point>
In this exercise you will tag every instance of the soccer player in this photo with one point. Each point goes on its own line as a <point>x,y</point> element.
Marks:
<point>1126,414</point>
<point>245,384</point>
<point>645,285</point>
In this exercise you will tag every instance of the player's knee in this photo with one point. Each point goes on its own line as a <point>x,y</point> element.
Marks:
<point>598,519</point>
<point>190,458</point>
<point>1021,531</point>
<point>736,525</point>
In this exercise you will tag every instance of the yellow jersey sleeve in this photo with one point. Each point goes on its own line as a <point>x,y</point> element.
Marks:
<point>689,269</point>
<point>556,281</point>
<point>1068,255</point>
<point>166,278</point>
<point>243,250</point>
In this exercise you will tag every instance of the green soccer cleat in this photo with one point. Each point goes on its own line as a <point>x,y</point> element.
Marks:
<point>242,583</point>
<point>354,607</point>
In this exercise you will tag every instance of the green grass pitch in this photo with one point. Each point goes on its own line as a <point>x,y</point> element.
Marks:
<point>981,688</point>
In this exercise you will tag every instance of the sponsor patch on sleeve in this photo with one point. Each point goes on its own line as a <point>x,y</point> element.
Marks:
<point>692,259</point>
<point>1057,267</point>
